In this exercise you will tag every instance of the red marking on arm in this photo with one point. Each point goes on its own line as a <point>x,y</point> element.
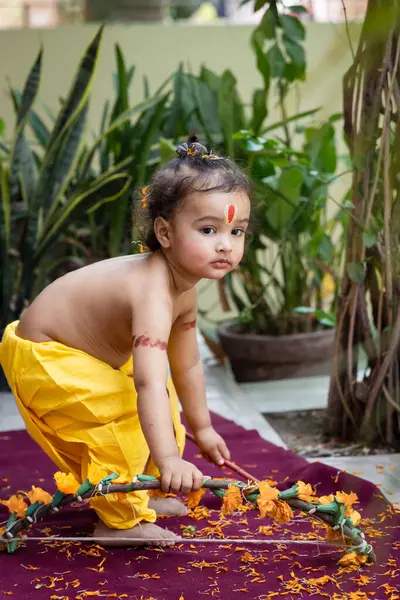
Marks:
<point>189,325</point>
<point>144,340</point>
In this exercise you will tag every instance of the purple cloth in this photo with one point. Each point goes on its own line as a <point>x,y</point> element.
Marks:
<point>192,571</point>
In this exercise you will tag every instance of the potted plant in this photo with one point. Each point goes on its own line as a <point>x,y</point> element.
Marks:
<point>284,290</point>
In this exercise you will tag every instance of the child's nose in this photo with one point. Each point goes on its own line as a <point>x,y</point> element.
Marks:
<point>224,244</point>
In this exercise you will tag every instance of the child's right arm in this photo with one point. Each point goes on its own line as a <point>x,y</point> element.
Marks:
<point>150,333</point>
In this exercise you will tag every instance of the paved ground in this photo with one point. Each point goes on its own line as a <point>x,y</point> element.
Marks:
<point>244,404</point>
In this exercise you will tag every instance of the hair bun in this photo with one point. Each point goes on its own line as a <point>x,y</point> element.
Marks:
<point>193,149</point>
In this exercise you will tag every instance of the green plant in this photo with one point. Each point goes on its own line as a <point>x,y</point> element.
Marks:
<point>40,195</point>
<point>286,282</point>
<point>295,250</point>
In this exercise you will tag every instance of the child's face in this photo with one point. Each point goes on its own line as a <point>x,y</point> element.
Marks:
<point>208,233</point>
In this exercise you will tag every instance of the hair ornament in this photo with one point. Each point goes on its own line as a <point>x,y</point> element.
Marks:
<point>197,150</point>
<point>144,194</point>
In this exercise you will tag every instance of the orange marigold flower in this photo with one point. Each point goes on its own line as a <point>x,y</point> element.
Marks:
<point>38,495</point>
<point>66,483</point>
<point>265,500</point>
<point>232,500</point>
<point>283,512</point>
<point>195,497</point>
<point>305,492</point>
<point>326,499</point>
<point>352,559</point>
<point>16,505</point>
<point>347,499</point>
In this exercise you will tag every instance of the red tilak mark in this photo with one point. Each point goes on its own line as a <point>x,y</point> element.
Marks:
<point>189,325</point>
<point>143,340</point>
<point>230,211</point>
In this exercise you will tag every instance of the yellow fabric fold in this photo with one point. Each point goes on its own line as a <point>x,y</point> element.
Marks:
<point>83,412</point>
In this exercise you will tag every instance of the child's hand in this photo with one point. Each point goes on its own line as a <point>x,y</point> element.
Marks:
<point>212,445</point>
<point>178,475</point>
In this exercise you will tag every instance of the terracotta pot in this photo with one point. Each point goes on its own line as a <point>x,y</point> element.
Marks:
<point>264,357</point>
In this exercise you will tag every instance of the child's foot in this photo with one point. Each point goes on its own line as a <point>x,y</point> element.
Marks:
<point>140,535</point>
<point>168,507</point>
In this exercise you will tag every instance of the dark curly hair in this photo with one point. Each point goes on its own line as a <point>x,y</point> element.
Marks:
<point>194,170</point>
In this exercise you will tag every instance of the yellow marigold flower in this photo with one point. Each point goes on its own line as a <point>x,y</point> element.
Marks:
<point>354,516</point>
<point>38,495</point>
<point>232,500</point>
<point>96,473</point>
<point>16,505</point>
<point>195,497</point>
<point>326,499</point>
<point>347,499</point>
<point>305,492</point>
<point>265,500</point>
<point>66,483</point>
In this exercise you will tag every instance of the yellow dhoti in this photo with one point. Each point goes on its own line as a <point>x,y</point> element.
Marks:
<point>83,413</point>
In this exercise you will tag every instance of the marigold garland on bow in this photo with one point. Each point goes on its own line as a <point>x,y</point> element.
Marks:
<point>334,510</point>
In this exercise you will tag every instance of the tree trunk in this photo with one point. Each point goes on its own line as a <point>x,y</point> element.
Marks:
<point>369,307</point>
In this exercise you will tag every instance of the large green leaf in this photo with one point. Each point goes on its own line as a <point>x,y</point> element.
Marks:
<point>259,110</point>
<point>79,92</point>
<point>107,190</point>
<point>230,110</point>
<point>59,165</point>
<point>19,150</point>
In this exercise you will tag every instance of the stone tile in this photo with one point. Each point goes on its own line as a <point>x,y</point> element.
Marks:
<point>306,393</point>
<point>381,469</point>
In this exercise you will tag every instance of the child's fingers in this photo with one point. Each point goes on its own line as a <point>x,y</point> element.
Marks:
<point>197,480</point>
<point>166,482</point>
<point>176,483</point>
<point>223,448</point>
<point>216,456</point>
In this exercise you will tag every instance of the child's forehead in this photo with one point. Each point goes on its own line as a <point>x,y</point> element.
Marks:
<point>215,203</point>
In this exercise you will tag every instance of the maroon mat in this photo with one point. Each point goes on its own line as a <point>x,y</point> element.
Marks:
<point>73,571</point>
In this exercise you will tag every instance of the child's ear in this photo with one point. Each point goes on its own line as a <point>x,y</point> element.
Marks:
<point>162,230</point>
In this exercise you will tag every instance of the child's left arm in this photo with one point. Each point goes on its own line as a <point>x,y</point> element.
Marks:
<point>188,377</point>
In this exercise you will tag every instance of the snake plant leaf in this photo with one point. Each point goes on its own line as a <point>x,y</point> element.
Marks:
<point>38,126</point>
<point>105,190</point>
<point>123,118</point>
<point>57,173</point>
<point>19,150</point>
<point>65,139</point>
<point>80,90</point>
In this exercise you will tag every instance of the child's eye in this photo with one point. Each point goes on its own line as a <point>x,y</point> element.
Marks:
<point>238,232</point>
<point>207,230</point>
